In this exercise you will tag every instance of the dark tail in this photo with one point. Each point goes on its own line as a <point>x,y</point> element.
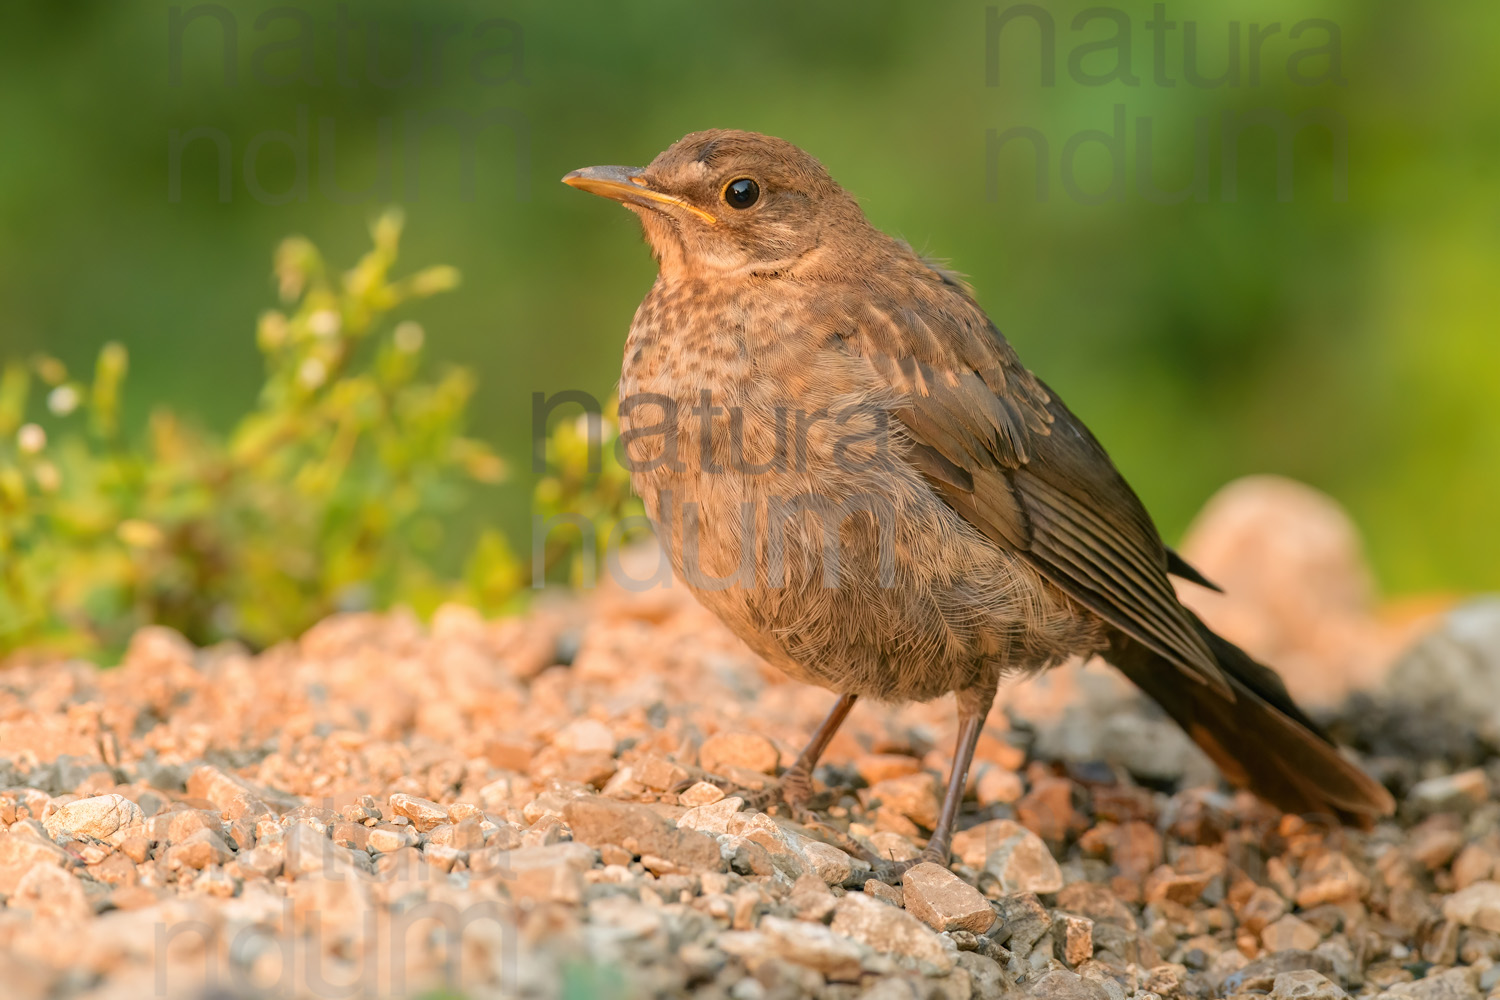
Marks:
<point>1261,740</point>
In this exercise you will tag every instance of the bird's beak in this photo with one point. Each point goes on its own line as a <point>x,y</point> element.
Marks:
<point>625,184</point>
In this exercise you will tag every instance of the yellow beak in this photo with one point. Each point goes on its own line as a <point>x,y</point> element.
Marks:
<point>628,184</point>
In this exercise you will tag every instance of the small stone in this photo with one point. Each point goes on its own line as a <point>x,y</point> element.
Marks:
<point>552,874</point>
<point>50,893</point>
<point>1263,907</point>
<point>1478,905</point>
<point>424,814</point>
<point>1290,932</point>
<point>595,768</point>
<point>890,930</point>
<point>1305,985</point>
<point>187,821</point>
<point>306,852</point>
<point>101,817</point>
<point>1434,842</point>
<point>811,898</point>
<point>1330,877</point>
<point>1449,984</point>
<point>1048,811</point>
<point>388,838</point>
<point>713,817</point>
<point>114,870</point>
<point>137,848</point>
<point>892,846</point>
<point>614,854</point>
<point>750,751</point>
<point>829,863</point>
<point>1096,902</point>
<point>703,961</point>
<point>585,736</point>
<point>1060,984</point>
<point>1459,792</point>
<point>1017,857</point>
<point>1164,979</point>
<point>203,848</point>
<point>701,794</point>
<point>658,773</point>
<point>815,946</point>
<point>915,796</point>
<point>355,836</point>
<point>247,807</point>
<point>749,858</point>
<point>1137,850</point>
<point>544,832</point>
<point>223,789</point>
<point>944,901</point>
<point>1179,887</point>
<point>986,977</point>
<point>1074,936</point>
<point>877,767</point>
<point>263,861</point>
<point>891,894</point>
<point>1022,920</point>
<point>1477,862</point>
<point>442,856</point>
<point>460,812</point>
<point>998,786</point>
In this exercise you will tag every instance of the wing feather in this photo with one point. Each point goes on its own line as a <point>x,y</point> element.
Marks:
<point>1005,453</point>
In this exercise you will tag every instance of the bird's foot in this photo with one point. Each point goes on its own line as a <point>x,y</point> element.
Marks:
<point>891,872</point>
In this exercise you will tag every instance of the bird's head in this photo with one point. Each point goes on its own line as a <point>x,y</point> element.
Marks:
<point>726,202</point>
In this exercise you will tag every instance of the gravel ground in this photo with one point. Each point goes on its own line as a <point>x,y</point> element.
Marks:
<point>487,809</point>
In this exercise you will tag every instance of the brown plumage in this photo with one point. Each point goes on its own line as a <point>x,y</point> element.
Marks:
<point>848,463</point>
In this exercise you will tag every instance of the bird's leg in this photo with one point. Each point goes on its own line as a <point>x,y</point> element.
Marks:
<point>795,784</point>
<point>936,851</point>
<point>972,708</point>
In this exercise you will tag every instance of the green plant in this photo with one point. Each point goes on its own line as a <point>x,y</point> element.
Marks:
<point>330,494</point>
<point>570,489</point>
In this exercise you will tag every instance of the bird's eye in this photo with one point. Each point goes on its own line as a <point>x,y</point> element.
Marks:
<point>741,193</point>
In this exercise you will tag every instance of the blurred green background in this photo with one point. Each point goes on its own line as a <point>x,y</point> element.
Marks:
<point>1352,343</point>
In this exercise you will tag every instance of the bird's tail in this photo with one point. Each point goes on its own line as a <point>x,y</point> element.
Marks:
<point>1261,740</point>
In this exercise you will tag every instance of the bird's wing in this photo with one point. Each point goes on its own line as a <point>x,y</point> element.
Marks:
<point>1005,452</point>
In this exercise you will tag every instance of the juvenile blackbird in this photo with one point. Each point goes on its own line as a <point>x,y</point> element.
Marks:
<point>847,462</point>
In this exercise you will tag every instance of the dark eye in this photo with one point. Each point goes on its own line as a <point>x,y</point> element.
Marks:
<point>741,193</point>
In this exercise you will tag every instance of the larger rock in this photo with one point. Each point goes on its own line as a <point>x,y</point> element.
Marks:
<point>945,902</point>
<point>815,946</point>
<point>549,874</point>
<point>50,892</point>
<point>424,814</point>
<point>1452,676</point>
<point>1018,858</point>
<point>101,817</point>
<point>914,796</point>
<point>888,929</point>
<point>224,790</point>
<point>598,821</point>
<point>750,751</point>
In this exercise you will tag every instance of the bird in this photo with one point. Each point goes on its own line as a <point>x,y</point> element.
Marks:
<point>847,462</point>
